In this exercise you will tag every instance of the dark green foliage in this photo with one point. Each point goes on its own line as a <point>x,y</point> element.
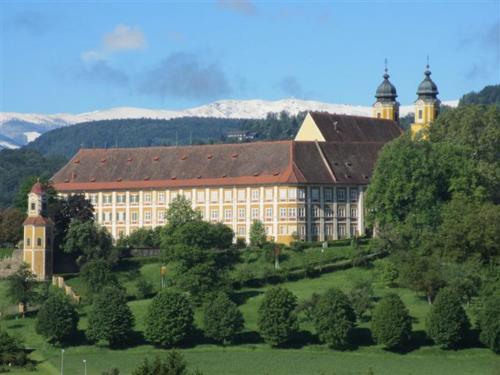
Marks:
<point>11,350</point>
<point>63,210</point>
<point>488,95</point>
<point>110,317</point>
<point>23,165</point>
<point>21,287</point>
<point>222,320</point>
<point>169,319</point>
<point>112,371</point>
<point>173,364</point>
<point>275,126</point>
<point>258,235</point>
<point>447,322</point>
<point>87,241</point>
<point>489,323</point>
<point>277,319</point>
<point>334,318</point>
<point>141,238</point>
<point>361,298</point>
<point>11,226</point>
<point>144,288</point>
<point>389,273</point>
<point>391,322</point>
<point>180,212</point>
<point>57,319</point>
<point>201,234</point>
<point>96,275</point>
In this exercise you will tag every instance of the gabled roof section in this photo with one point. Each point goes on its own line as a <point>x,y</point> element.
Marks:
<point>344,128</point>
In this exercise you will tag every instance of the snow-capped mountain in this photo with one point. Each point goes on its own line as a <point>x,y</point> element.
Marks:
<point>17,129</point>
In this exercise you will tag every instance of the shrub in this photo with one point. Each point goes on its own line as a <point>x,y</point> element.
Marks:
<point>57,319</point>
<point>447,323</point>
<point>389,273</point>
<point>144,288</point>
<point>277,320</point>
<point>361,298</point>
<point>110,317</point>
<point>97,275</point>
<point>11,350</point>
<point>173,364</point>
<point>221,319</point>
<point>258,235</point>
<point>169,319</point>
<point>334,318</point>
<point>489,324</point>
<point>391,323</point>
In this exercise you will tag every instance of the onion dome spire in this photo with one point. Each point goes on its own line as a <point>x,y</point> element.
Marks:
<point>386,91</point>
<point>427,88</point>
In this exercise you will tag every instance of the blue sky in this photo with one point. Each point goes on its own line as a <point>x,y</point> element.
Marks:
<point>69,56</point>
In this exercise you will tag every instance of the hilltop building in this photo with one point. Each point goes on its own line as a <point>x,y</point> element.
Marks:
<point>38,234</point>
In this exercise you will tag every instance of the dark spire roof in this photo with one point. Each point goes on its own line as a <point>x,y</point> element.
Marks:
<point>427,88</point>
<point>386,91</point>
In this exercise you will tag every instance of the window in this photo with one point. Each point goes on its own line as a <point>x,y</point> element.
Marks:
<point>341,211</point>
<point>292,194</point>
<point>269,194</point>
<point>200,196</point>
<point>283,212</point>
<point>316,211</point>
<point>315,194</point>
<point>353,194</point>
<point>282,230</point>
<point>354,212</point>
<point>38,242</point>
<point>228,214</point>
<point>301,194</point>
<point>28,241</point>
<point>241,213</point>
<point>378,114</point>
<point>161,216</point>
<point>147,198</point>
<point>255,194</point>
<point>173,195</point>
<point>241,230</point>
<point>341,230</point>
<point>254,213</point>
<point>147,216</point>
<point>269,213</point>
<point>134,217</point>
<point>283,194</point>
<point>354,230</point>
<point>120,198</point>
<point>292,212</point>
<point>161,197</point>
<point>341,194</point>
<point>94,199</point>
<point>120,216</point>
<point>420,113</point>
<point>269,230</point>
<point>33,206</point>
<point>187,195</point>
<point>328,194</point>
<point>134,198</point>
<point>315,230</point>
<point>202,213</point>
<point>228,195</point>
<point>328,211</point>
<point>107,198</point>
<point>301,212</point>
<point>214,196</point>
<point>241,195</point>
<point>214,215</point>
<point>302,231</point>
<point>329,230</point>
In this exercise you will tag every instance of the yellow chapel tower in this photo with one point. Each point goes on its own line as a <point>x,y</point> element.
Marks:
<point>386,106</point>
<point>426,105</point>
<point>38,234</point>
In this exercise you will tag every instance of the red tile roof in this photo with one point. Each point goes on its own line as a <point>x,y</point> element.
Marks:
<point>37,188</point>
<point>37,220</point>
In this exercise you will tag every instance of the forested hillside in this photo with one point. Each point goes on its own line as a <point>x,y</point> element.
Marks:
<point>488,95</point>
<point>16,165</point>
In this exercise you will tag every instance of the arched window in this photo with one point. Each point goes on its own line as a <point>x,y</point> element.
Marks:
<point>28,241</point>
<point>38,241</point>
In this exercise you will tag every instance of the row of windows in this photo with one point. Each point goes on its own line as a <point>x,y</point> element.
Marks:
<point>241,196</point>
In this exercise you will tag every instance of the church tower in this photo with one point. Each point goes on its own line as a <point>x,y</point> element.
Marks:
<point>386,106</point>
<point>38,234</point>
<point>426,105</point>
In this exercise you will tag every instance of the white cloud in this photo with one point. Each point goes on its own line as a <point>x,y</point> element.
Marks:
<point>122,38</point>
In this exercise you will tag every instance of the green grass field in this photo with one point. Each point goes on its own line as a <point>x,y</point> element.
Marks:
<point>254,357</point>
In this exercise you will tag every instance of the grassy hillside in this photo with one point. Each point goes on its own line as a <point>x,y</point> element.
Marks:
<point>251,356</point>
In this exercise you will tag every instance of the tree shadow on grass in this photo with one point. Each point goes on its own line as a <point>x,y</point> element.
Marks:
<point>360,336</point>
<point>248,337</point>
<point>302,339</point>
<point>418,339</point>
<point>242,296</point>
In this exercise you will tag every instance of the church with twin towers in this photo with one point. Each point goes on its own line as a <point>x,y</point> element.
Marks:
<point>310,188</point>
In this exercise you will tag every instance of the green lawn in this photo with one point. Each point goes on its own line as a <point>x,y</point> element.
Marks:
<point>254,357</point>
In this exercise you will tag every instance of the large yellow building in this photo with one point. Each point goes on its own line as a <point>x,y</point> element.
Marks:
<point>312,186</point>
